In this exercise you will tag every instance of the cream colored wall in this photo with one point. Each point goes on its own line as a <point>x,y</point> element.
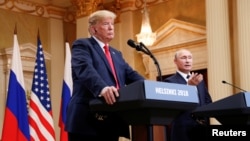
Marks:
<point>82,28</point>
<point>27,28</point>
<point>57,51</point>
<point>124,31</point>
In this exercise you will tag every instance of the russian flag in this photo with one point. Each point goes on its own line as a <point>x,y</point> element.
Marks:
<point>66,92</point>
<point>16,125</point>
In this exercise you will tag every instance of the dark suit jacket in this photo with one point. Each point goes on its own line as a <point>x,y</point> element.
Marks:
<point>91,72</point>
<point>182,127</point>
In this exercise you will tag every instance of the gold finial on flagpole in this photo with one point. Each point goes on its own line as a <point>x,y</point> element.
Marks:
<point>38,34</point>
<point>66,39</point>
<point>15,30</point>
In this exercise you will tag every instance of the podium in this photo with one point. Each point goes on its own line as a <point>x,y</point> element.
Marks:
<point>232,110</point>
<point>150,102</point>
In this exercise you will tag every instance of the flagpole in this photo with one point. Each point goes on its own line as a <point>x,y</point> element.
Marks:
<point>66,92</point>
<point>15,125</point>
<point>40,111</point>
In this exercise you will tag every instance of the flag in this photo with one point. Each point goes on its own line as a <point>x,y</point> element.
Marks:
<point>40,111</point>
<point>66,93</point>
<point>16,125</point>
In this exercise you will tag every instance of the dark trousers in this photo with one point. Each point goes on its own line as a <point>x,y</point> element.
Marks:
<point>80,137</point>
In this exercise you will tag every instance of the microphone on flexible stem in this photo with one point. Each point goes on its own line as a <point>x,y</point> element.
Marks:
<point>225,82</point>
<point>137,46</point>
<point>143,48</point>
<point>133,44</point>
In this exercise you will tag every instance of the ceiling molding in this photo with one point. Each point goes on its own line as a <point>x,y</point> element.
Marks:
<point>72,9</point>
<point>40,10</point>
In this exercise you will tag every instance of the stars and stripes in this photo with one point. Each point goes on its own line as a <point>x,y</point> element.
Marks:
<point>40,111</point>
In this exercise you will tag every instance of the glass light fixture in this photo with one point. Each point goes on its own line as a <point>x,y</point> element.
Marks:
<point>146,36</point>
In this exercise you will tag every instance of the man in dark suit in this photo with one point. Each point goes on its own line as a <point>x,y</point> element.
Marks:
<point>95,78</point>
<point>184,127</point>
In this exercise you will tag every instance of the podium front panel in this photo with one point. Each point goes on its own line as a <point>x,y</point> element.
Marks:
<point>151,100</point>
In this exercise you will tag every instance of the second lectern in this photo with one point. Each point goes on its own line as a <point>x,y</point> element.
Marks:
<point>232,110</point>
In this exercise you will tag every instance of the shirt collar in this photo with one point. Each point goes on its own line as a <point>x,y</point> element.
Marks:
<point>184,75</point>
<point>100,43</point>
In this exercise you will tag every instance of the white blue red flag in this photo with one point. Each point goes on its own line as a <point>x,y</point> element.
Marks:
<point>16,125</point>
<point>40,111</point>
<point>66,92</point>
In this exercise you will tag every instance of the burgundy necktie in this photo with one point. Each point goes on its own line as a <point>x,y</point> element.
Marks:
<point>107,53</point>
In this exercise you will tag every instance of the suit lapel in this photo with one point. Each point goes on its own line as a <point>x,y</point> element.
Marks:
<point>201,94</point>
<point>103,56</point>
<point>180,79</point>
<point>100,52</point>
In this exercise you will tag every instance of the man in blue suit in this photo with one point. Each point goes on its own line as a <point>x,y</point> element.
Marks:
<point>184,127</point>
<point>94,78</point>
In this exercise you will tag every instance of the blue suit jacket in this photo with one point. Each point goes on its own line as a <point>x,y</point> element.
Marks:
<point>91,72</point>
<point>183,125</point>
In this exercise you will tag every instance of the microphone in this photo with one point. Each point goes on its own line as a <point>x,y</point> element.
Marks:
<point>137,46</point>
<point>141,47</point>
<point>225,82</point>
<point>132,43</point>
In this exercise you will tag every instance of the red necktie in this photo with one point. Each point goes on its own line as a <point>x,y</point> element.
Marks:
<point>107,53</point>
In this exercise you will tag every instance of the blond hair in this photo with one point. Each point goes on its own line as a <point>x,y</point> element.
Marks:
<point>100,14</point>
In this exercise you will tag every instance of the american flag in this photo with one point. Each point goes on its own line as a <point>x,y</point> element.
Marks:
<point>40,111</point>
<point>15,125</point>
<point>66,93</point>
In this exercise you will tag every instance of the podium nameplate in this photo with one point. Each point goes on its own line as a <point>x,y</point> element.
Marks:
<point>170,92</point>
<point>247,96</point>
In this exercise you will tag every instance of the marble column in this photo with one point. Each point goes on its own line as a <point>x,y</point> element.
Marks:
<point>242,67</point>
<point>83,10</point>
<point>56,41</point>
<point>82,28</point>
<point>218,48</point>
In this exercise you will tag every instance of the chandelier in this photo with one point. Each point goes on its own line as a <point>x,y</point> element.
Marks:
<point>146,36</point>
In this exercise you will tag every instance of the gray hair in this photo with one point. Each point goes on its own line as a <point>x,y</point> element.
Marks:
<point>177,53</point>
<point>100,14</point>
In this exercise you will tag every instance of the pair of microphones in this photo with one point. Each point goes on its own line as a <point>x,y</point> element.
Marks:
<point>225,82</point>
